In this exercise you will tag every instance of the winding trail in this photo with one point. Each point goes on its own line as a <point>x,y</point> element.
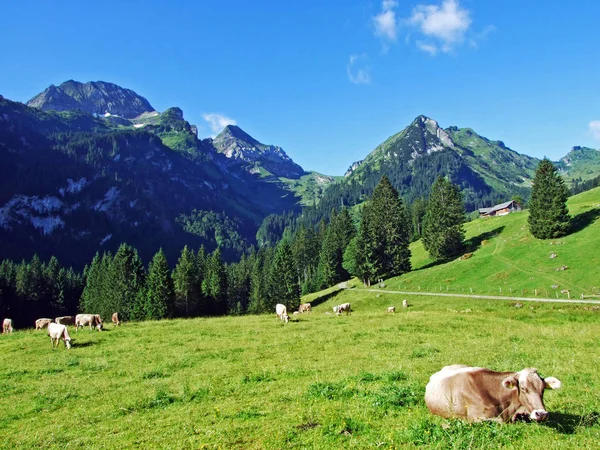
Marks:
<point>485,297</point>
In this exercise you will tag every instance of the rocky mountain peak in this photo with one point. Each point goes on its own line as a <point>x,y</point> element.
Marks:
<point>93,97</point>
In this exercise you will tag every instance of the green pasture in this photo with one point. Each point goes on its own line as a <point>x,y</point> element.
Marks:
<point>320,381</point>
<point>507,260</point>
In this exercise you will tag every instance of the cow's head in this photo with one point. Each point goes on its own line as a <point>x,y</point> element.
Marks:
<point>286,318</point>
<point>100,326</point>
<point>530,390</point>
<point>68,343</point>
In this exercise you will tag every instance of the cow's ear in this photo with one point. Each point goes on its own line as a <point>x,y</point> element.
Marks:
<point>509,383</point>
<point>552,383</point>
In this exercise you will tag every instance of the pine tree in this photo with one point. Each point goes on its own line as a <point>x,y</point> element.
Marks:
<point>443,231</point>
<point>214,285</point>
<point>92,296</point>
<point>187,284</point>
<point>548,214</point>
<point>126,285</point>
<point>283,280</point>
<point>160,293</point>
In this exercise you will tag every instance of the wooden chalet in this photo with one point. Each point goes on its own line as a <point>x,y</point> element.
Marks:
<point>500,210</point>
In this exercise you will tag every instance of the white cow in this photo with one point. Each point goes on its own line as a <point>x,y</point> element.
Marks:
<point>344,307</point>
<point>115,319</point>
<point>56,332</point>
<point>41,323</point>
<point>7,326</point>
<point>92,320</point>
<point>281,312</point>
<point>405,303</point>
<point>391,309</point>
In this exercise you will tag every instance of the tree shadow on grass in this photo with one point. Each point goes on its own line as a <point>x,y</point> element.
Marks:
<point>317,301</point>
<point>566,423</point>
<point>584,219</point>
<point>471,245</point>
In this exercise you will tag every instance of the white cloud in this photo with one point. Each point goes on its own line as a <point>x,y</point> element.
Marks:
<point>358,70</point>
<point>595,129</point>
<point>426,47</point>
<point>444,25</point>
<point>385,22</point>
<point>217,122</point>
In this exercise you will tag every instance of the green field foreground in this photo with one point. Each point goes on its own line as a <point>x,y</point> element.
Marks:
<point>320,381</point>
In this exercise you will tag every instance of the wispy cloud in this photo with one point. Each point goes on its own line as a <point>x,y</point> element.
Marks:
<point>358,69</point>
<point>385,22</point>
<point>444,26</point>
<point>217,122</point>
<point>595,129</point>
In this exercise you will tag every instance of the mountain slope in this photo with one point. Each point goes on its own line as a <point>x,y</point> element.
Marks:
<point>580,164</point>
<point>93,97</point>
<point>268,160</point>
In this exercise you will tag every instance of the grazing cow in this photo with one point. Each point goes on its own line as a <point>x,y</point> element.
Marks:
<point>304,307</point>
<point>65,320</point>
<point>7,326</point>
<point>56,332</point>
<point>405,303</point>
<point>281,312</point>
<point>115,319</point>
<point>391,309</point>
<point>339,309</point>
<point>82,320</point>
<point>477,394</point>
<point>41,323</point>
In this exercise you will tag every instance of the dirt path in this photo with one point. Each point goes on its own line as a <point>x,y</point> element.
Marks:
<point>486,297</point>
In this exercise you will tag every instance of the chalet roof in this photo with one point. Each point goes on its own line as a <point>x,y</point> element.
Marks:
<point>495,208</point>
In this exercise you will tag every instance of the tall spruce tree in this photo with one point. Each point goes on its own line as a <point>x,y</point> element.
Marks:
<point>548,214</point>
<point>126,283</point>
<point>214,285</point>
<point>443,231</point>
<point>160,293</point>
<point>283,279</point>
<point>187,284</point>
<point>384,236</point>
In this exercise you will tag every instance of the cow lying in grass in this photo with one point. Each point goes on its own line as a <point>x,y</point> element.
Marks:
<point>477,394</point>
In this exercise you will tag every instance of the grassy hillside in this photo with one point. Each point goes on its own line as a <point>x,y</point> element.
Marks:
<point>506,256</point>
<point>309,187</point>
<point>320,381</point>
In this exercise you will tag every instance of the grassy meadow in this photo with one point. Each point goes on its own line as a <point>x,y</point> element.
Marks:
<point>323,381</point>
<point>320,381</point>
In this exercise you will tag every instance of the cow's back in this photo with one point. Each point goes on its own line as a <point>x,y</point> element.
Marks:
<point>448,391</point>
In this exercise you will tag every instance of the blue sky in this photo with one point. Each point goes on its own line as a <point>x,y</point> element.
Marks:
<point>328,80</point>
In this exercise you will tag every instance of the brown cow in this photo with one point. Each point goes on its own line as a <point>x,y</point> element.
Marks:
<point>477,394</point>
<point>304,307</point>
<point>115,319</point>
<point>65,320</point>
<point>7,326</point>
<point>42,323</point>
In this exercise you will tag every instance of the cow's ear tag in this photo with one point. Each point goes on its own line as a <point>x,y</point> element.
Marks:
<point>509,383</point>
<point>552,383</point>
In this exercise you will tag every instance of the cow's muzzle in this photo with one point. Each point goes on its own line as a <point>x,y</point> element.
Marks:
<point>539,415</point>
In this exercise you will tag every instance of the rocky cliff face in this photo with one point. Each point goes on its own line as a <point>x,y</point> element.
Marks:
<point>239,147</point>
<point>93,97</point>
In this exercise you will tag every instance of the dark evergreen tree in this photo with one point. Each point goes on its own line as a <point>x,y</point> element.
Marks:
<point>283,280</point>
<point>214,285</point>
<point>418,210</point>
<point>93,295</point>
<point>548,214</point>
<point>187,285</point>
<point>238,285</point>
<point>305,248</point>
<point>126,283</point>
<point>443,231</point>
<point>160,293</point>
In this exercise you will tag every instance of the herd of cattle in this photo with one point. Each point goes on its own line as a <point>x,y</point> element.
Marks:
<point>57,328</point>
<point>471,393</point>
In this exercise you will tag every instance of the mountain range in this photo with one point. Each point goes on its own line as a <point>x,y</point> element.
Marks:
<point>86,166</point>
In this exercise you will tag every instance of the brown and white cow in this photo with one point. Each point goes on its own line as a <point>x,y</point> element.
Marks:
<point>7,326</point>
<point>56,332</point>
<point>81,320</point>
<point>391,309</point>
<point>476,394</point>
<point>304,307</point>
<point>281,312</point>
<point>41,323</point>
<point>115,319</point>
<point>344,307</point>
<point>65,320</point>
